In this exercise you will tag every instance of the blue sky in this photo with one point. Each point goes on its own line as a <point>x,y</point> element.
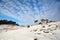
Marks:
<point>24,12</point>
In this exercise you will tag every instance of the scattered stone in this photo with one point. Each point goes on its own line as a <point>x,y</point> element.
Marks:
<point>35,30</point>
<point>43,26</point>
<point>39,33</point>
<point>46,31</point>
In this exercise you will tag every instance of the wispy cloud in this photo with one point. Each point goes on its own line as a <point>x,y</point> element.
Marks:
<point>30,10</point>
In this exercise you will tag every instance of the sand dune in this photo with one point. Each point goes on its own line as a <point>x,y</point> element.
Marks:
<point>50,31</point>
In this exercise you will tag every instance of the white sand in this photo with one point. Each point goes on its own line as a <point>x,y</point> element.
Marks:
<point>31,33</point>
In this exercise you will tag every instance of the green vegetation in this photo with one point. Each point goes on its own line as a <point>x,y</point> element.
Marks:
<point>28,26</point>
<point>7,22</point>
<point>36,21</point>
<point>43,21</point>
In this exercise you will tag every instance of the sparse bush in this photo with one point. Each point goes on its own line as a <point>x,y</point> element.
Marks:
<point>42,20</point>
<point>36,21</point>
<point>40,23</point>
<point>28,26</point>
<point>35,39</point>
<point>52,21</point>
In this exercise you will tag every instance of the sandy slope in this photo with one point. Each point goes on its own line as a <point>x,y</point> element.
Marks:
<point>33,32</point>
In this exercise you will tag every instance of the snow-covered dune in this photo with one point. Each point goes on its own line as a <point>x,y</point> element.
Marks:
<point>50,31</point>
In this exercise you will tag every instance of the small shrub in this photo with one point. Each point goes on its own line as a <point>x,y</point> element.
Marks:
<point>35,39</point>
<point>28,26</point>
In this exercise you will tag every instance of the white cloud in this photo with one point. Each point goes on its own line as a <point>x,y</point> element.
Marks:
<point>27,14</point>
